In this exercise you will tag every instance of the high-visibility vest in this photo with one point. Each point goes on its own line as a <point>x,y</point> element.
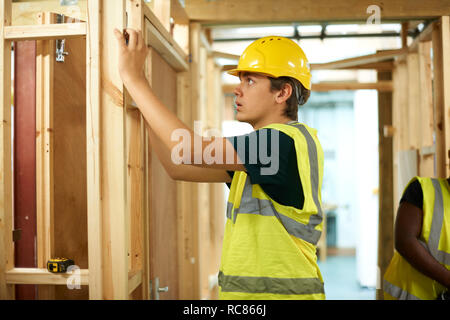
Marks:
<point>269,250</point>
<point>403,281</point>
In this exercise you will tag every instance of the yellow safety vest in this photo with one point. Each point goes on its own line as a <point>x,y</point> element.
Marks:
<point>401,280</point>
<point>269,250</point>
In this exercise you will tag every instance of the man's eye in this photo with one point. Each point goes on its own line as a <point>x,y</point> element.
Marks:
<point>250,81</point>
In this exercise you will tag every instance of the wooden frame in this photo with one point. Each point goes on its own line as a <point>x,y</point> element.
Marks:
<point>117,207</point>
<point>47,32</point>
<point>6,251</point>
<point>250,11</point>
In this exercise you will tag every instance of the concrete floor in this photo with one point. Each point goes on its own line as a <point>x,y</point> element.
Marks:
<point>339,275</point>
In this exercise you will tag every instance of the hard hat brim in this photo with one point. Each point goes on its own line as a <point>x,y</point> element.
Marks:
<point>304,81</point>
<point>235,72</point>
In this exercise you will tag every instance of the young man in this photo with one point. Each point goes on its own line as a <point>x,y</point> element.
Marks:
<point>274,209</point>
<point>420,268</point>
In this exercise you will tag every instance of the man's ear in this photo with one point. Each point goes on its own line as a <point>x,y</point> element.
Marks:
<point>284,93</point>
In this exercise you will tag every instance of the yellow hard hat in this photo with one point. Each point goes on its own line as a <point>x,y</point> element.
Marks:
<point>275,57</point>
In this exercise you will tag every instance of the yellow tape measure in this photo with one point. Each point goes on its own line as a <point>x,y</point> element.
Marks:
<point>59,265</point>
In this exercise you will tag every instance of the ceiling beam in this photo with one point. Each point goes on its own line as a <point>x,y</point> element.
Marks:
<point>238,11</point>
<point>380,56</point>
<point>384,86</point>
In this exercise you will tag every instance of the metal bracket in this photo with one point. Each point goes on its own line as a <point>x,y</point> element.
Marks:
<point>17,235</point>
<point>60,43</point>
<point>60,53</point>
<point>156,290</point>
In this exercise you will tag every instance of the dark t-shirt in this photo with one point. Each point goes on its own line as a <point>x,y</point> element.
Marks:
<point>284,186</point>
<point>414,194</point>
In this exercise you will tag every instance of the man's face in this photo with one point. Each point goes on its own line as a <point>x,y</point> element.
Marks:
<point>254,100</point>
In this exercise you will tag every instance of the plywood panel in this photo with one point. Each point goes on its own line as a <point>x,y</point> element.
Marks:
<point>163,195</point>
<point>69,171</point>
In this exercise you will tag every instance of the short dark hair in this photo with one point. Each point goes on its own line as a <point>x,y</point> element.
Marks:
<point>295,100</point>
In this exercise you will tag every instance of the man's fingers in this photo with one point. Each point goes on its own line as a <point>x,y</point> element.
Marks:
<point>132,43</point>
<point>119,36</point>
<point>140,40</point>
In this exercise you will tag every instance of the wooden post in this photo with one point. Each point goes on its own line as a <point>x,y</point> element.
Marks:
<point>426,123</point>
<point>441,62</point>
<point>136,166</point>
<point>93,165</point>
<point>44,153</point>
<point>400,102</point>
<point>413,108</point>
<point>187,244</point>
<point>189,263</point>
<point>386,186</point>
<point>404,34</point>
<point>113,159</point>
<point>6,245</point>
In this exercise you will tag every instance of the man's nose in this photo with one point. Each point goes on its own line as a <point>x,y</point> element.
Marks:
<point>238,91</point>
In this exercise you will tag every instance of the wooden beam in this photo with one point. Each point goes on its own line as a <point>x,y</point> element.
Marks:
<point>162,10</point>
<point>218,54</point>
<point>161,40</point>
<point>383,86</point>
<point>441,62</point>
<point>380,86</point>
<point>404,34</point>
<point>6,223</point>
<point>93,162</point>
<point>136,206</point>
<point>178,13</point>
<point>46,31</point>
<point>43,276</point>
<point>379,66</point>
<point>24,12</point>
<point>426,161</point>
<point>186,241</point>
<point>44,153</point>
<point>134,281</point>
<point>399,121</point>
<point>113,155</point>
<point>386,185</point>
<point>413,112</point>
<point>425,35</point>
<point>380,56</point>
<point>235,11</point>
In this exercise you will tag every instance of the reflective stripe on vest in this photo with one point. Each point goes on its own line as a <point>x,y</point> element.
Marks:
<point>412,285</point>
<point>397,292</point>
<point>436,226</point>
<point>251,205</point>
<point>270,285</point>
